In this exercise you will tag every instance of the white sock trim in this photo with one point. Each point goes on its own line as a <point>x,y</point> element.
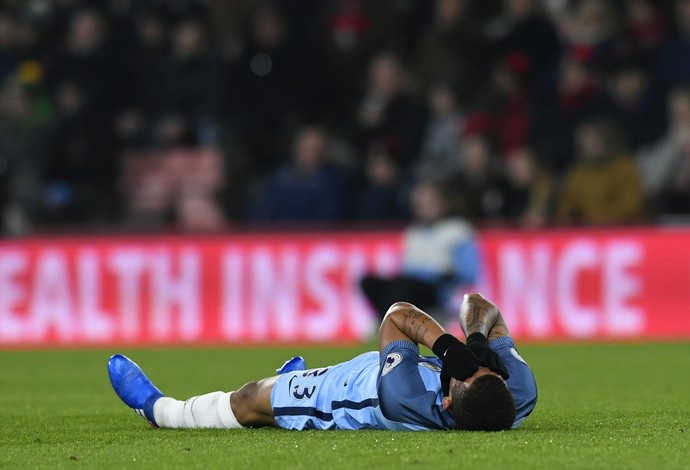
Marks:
<point>227,416</point>
<point>168,413</point>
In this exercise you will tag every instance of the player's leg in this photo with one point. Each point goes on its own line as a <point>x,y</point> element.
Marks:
<point>248,406</point>
<point>251,404</point>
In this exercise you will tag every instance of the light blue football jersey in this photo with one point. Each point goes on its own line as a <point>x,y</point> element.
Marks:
<point>395,390</point>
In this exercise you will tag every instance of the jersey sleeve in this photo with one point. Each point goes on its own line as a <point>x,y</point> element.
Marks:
<point>403,397</point>
<point>521,382</point>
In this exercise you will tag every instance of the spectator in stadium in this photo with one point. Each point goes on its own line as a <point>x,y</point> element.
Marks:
<point>380,197</point>
<point>483,385</point>
<point>308,188</point>
<point>529,196</point>
<point>604,186</point>
<point>87,60</point>
<point>506,103</point>
<point>345,35</point>
<point>524,31</point>
<point>644,28</point>
<point>665,165</point>
<point>387,112</point>
<point>24,129</point>
<point>81,159</point>
<point>674,54</point>
<point>193,90</point>
<point>439,255</point>
<point>453,48</point>
<point>633,103</point>
<point>577,97</point>
<point>478,183</point>
<point>8,61</point>
<point>591,31</point>
<point>263,104</point>
<point>243,74</point>
<point>442,135</point>
<point>145,71</point>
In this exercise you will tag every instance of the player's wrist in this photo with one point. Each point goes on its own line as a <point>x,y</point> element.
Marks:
<point>477,338</point>
<point>443,343</point>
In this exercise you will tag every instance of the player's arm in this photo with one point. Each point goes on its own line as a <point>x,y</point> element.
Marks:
<point>405,322</point>
<point>481,321</point>
<point>479,315</point>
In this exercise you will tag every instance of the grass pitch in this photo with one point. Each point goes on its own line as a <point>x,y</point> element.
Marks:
<point>600,406</point>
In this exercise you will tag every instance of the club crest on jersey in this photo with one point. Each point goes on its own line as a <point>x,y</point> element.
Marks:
<point>392,360</point>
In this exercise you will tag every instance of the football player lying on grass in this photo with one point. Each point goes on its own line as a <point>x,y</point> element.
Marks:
<point>482,384</point>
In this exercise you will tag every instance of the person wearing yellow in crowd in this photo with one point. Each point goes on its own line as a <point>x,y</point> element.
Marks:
<point>603,187</point>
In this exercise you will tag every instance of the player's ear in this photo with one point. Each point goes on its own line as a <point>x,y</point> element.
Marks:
<point>446,402</point>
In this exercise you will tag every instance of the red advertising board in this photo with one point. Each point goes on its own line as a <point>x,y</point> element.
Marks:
<point>559,285</point>
<point>162,290</point>
<point>592,284</point>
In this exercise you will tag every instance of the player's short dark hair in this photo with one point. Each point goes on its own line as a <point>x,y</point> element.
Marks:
<point>485,405</point>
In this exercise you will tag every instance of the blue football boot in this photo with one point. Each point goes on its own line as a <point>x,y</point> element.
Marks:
<point>133,387</point>
<point>296,363</point>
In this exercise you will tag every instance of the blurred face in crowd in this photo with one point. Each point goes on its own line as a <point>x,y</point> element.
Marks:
<point>428,204</point>
<point>628,85</point>
<point>447,12</point>
<point>476,155</point>
<point>309,146</point>
<point>170,129</point>
<point>521,167</point>
<point>188,40</point>
<point>519,8</point>
<point>385,75</point>
<point>86,32</point>
<point>640,12</point>
<point>594,21</point>
<point>27,36</point>
<point>574,76</point>
<point>7,32</point>
<point>70,99</point>
<point>683,16</point>
<point>504,80</point>
<point>591,143</point>
<point>129,124</point>
<point>441,100</point>
<point>679,108</point>
<point>150,31</point>
<point>381,169</point>
<point>14,101</point>
<point>268,29</point>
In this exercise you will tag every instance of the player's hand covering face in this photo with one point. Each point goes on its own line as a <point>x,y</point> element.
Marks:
<point>457,360</point>
<point>479,345</point>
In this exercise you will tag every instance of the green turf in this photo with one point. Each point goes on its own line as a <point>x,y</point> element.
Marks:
<point>600,406</point>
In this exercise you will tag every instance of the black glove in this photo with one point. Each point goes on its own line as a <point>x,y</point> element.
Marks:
<point>479,345</point>
<point>457,360</point>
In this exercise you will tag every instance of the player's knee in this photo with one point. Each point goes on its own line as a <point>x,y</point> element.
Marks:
<point>242,402</point>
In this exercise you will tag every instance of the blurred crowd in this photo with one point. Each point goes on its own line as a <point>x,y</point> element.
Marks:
<point>203,115</point>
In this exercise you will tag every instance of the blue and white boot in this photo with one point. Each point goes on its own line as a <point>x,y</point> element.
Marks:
<point>133,387</point>
<point>296,363</point>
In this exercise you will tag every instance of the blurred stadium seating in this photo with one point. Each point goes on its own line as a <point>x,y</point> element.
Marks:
<point>449,89</point>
